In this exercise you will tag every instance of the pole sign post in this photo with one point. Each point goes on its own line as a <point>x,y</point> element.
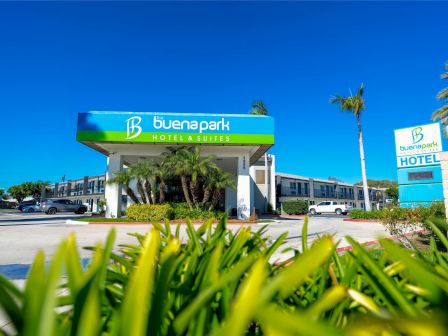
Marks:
<point>418,161</point>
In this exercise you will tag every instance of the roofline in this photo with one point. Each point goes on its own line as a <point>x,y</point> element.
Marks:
<point>184,114</point>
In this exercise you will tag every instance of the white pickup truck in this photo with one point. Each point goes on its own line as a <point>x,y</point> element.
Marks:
<point>327,207</point>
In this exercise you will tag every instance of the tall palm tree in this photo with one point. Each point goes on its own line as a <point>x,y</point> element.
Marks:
<point>355,104</point>
<point>124,178</point>
<point>442,113</point>
<point>222,180</point>
<point>259,108</point>
<point>141,171</point>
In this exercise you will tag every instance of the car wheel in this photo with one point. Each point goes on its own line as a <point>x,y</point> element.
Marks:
<point>30,210</point>
<point>312,211</point>
<point>51,211</point>
<point>338,211</point>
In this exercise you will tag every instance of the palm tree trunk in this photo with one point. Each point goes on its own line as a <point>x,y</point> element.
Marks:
<point>141,191</point>
<point>207,194</point>
<point>183,180</point>
<point>153,191</point>
<point>194,188</point>
<point>131,194</point>
<point>215,199</point>
<point>162,191</point>
<point>363,167</point>
<point>148,189</point>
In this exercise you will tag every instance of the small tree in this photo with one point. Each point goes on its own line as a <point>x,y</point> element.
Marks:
<point>392,192</point>
<point>222,180</point>
<point>27,189</point>
<point>124,178</point>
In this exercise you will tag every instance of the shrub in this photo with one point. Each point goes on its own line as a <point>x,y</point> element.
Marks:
<point>220,282</point>
<point>149,212</point>
<point>182,211</point>
<point>404,215</point>
<point>295,207</point>
<point>362,214</point>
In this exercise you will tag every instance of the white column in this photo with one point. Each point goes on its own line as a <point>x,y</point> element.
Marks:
<point>273,185</point>
<point>243,192</point>
<point>253,185</point>
<point>113,191</point>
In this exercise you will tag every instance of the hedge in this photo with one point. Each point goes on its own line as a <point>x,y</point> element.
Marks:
<point>408,215</point>
<point>149,212</point>
<point>295,207</point>
<point>182,211</point>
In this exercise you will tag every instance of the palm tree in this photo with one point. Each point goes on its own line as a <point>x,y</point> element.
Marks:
<point>442,113</point>
<point>199,167</point>
<point>259,108</point>
<point>209,183</point>
<point>355,105</point>
<point>124,178</point>
<point>141,171</point>
<point>162,172</point>
<point>222,180</point>
<point>181,167</point>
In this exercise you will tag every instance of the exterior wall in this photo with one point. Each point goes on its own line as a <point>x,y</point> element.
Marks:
<point>264,187</point>
<point>89,195</point>
<point>313,191</point>
<point>444,166</point>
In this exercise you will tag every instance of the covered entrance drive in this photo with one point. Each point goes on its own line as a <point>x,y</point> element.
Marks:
<point>237,141</point>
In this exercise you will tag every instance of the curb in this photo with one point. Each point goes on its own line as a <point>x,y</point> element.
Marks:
<point>361,220</point>
<point>75,222</point>
<point>377,242</point>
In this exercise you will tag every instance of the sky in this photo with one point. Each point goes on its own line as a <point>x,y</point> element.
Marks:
<point>58,59</point>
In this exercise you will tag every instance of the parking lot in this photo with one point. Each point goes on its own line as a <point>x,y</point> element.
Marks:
<point>22,235</point>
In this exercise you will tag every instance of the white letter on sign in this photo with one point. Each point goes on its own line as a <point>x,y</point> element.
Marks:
<point>133,128</point>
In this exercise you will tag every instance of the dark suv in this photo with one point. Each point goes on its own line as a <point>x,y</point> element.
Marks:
<point>51,206</point>
<point>25,204</point>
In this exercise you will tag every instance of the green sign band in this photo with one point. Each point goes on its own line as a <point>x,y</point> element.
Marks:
<point>197,138</point>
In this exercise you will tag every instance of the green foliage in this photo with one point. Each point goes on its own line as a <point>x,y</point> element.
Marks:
<point>363,214</point>
<point>295,207</point>
<point>403,215</point>
<point>199,176</point>
<point>258,108</point>
<point>223,283</point>
<point>26,189</point>
<point>392,192</point>
<point>380,183</point>
<point>441,114</point>
<point>149,212</point>
<point>182,211</point>
<point>101,207</point>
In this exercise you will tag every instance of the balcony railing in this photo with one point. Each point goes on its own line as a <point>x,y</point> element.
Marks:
<point>324,193</point>
<point>342,195</point>
<point>287,191</point>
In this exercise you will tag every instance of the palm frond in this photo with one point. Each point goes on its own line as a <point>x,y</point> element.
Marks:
<point>443,94</point>
<point>441,114</point>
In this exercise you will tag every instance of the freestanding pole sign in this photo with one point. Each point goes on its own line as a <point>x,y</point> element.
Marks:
<point>418,161</point>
